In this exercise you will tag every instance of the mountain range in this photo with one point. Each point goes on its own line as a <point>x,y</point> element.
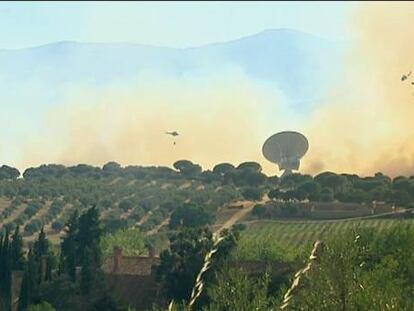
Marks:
<point>299,64</point>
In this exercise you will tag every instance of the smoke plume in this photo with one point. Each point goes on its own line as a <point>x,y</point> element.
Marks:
<point>220,119</point>
<point>364,126</point>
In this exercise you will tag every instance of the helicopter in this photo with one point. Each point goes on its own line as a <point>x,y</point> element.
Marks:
<point>172,133</point>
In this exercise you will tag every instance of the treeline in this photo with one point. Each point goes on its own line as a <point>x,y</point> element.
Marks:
<point>45,194</point>
<point>248,177</point>
<point>328,187</point>
<point>127,194</point>
<point>247,173</point>
<point>54,180</point>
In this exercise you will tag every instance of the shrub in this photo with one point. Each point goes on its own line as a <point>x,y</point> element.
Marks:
<point>44,306</point>
<point>252,193</point>
<point>259,210</point>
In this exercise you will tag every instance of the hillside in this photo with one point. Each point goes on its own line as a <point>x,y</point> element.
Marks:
<point>157,199</point>
<point>272,220</point>
<point>296,63</point>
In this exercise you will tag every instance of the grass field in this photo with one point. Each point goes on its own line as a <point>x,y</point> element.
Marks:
<point>288,240</point>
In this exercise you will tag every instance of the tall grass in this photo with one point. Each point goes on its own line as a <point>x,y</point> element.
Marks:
<point>296,281</point>
<point>199,284</point>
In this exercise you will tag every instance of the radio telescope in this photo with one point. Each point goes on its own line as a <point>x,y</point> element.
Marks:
<point>285,149</point>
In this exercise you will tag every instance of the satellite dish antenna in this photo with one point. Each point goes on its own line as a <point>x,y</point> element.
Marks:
<point>285,149</point>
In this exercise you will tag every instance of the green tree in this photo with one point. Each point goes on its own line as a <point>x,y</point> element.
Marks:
<point>16,251</point>
<point>8,172</point>
<point>62,293</point>
<point>5,271</point>
<point>41,253</point>
<point>361,270</point>
<point>252,193</point>
<point>87,272</point>
<point>235,290</point>
<point>223,168</point>
<point>326,195</point>
<point>24,292</point>
<point>209,177</point>
<point>311,188</point>
<point>89,235</point>
<point>292,181</point>
<point>32,277</point>
<point>188,168</point>
<point>275,194</point>
<point>245,177</point>
<point>180,264</point>
<point>68,258</point>
<point>253,179</point>
<point>43,306</point>
<point>337,183</point>
<point>190,215</point>
<point>131,241</point>
<point>400,197</point>
<point>253,166</point>
<point>41,246</point>
<point>259,211</point>
<point>112,168</point>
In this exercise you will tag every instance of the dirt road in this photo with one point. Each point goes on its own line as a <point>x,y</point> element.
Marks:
<point>247,207</point>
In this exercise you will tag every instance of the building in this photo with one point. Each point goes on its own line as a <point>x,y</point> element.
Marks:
<point>133,278</point>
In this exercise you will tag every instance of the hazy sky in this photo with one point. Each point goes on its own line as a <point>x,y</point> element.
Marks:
<point>71,120</point>
<point>170,23</point>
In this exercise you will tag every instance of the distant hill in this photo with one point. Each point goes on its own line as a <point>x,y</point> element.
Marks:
<point>297,63</point>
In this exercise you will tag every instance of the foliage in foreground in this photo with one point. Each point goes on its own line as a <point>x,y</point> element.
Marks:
<point>131,241</point>
<point>234,290</point>
<point>181,264</point>
<point>44,306</point>
<point>362,270</point>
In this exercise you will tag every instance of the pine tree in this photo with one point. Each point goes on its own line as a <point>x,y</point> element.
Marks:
<point>5,277</point>
<point>1,257</point>
<point>32,276</point>
<point>2,272</point>
<point>61,266</point>
<point>68,256</point>
<point>49,267</point>
<point>41,252</point>
<point>87,272</point>
<point>24,291</point>
<point>16,251</point>
<point>89,235</point>
<point>41,246</point>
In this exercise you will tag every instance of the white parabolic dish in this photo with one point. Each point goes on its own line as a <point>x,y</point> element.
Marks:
<point>285,149</point>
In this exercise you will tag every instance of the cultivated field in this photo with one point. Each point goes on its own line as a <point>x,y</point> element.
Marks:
<point>287,239</point>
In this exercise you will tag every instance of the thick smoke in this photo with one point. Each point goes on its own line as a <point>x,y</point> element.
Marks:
<point>364,126</point>
<point>367,125</point>
<point>220,119</point>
